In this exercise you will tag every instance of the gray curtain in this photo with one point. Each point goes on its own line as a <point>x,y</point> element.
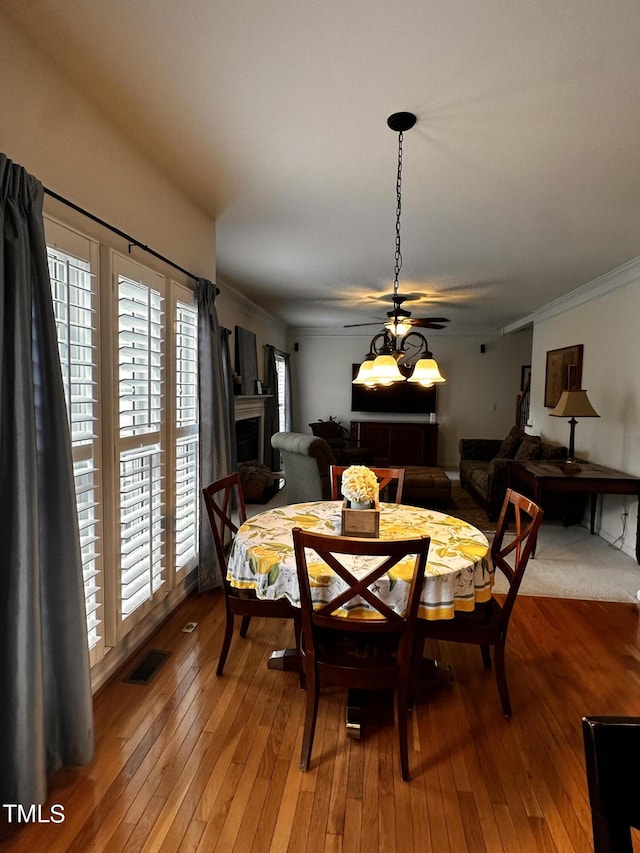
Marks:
<point>46,717</point>
<point>216,417</point>
<point>271,425</point>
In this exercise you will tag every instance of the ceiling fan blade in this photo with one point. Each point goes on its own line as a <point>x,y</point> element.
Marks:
<point>427,322</point>
<point>355,325</point>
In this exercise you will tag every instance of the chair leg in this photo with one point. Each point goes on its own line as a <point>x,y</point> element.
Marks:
<point>310,715</point>
<point>297,627</point>
<point>486,656</point>
<point>244,625</point>
<point>226,642</point>
<point>416,662</point>
<point>402,701</point>
<point>501,679</point>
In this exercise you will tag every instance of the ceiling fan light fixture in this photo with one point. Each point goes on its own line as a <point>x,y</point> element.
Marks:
<point>394,350</point>
<point>399,328</point>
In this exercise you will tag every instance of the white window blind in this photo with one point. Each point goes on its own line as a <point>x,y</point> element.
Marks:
<point>187,498</point>
<point>282,392</point>
<point>73,285</point>
<point>141,454</point>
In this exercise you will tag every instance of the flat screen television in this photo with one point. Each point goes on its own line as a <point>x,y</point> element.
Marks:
<point>403,398</point>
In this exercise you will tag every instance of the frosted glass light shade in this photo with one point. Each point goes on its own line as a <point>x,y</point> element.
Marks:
<point>426,372</point>
<point>385,371</point>
<point>364,372</point>
<point>399,328</point>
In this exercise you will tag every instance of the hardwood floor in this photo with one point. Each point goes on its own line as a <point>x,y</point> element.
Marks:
<point>195,762</point>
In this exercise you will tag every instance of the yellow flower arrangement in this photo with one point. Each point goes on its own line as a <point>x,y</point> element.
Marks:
<point>359,484</point>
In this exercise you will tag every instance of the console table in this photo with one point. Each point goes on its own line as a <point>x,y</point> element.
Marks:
<point>398,443</point>
<point>543,478</point>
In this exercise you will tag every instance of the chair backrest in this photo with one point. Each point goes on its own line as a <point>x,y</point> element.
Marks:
<point>221,498</point>
<point>612,758</point>
<point>386,477</point>
<point>306,460</point>
<point>513,557</point>
<point>380,618</point>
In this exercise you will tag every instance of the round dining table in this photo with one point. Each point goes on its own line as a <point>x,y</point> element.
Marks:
<point>459,573</point>
<point>458,576</point>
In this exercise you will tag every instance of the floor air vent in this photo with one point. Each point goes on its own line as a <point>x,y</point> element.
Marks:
<point>148,667</point>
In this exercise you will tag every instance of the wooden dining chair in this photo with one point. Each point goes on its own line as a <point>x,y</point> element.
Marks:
<point>487,625</point>
<point>369,653</point>
<point>387,478</point>
<point>612,759</point>
<point>220,498</point>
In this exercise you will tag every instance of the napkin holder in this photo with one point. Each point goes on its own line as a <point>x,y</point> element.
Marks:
<point>363,523</point>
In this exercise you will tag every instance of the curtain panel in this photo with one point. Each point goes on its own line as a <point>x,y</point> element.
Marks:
<point>46,715</point>
<point>271,426</point>
<point>216,418</point>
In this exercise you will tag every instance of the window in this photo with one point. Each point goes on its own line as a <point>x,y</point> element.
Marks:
<point>131,389</point>
<point>283,392</point>
<point>186,425</point>
<point>74,290</point>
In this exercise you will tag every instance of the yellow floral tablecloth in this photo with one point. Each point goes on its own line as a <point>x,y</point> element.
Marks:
<point>459,573</point>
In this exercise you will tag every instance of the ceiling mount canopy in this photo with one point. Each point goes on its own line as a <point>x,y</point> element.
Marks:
<point>399,354</point>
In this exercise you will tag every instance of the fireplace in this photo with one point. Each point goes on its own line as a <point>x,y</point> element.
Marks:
<point>249,417</point>
<point>248,439</point>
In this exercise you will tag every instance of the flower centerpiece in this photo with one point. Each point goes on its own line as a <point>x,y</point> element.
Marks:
<point>359,486</point>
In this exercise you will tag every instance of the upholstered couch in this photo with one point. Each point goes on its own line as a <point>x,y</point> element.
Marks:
<point>484,464</point>
<point>306,460</point>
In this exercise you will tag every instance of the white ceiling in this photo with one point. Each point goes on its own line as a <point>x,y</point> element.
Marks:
<point>521,178</point>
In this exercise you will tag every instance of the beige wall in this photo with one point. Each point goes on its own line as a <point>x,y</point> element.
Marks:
<point>607,326</point>
<point>478,399</point>
<point>58,136</point>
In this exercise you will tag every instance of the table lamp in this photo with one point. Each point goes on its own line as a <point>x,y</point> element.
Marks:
<point>573,404</point>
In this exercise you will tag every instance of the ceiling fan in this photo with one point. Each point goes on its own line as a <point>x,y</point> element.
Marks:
<point>399,315</point>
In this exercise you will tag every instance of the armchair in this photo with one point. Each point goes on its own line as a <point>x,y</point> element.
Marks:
<point>306,461</point>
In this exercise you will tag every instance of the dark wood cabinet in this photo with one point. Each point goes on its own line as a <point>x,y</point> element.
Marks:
<point>394,443</point>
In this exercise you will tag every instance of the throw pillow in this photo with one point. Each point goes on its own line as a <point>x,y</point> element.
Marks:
<point>510,444</point>
<point>529,449</point>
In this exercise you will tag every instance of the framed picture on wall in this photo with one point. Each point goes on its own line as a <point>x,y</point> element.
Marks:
<point>564,373</point>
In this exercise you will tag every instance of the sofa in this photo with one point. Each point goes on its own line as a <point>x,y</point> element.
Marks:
<point>484,464</point>
<point>306,460</point>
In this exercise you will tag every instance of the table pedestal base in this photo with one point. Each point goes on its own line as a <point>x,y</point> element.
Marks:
<point>284,660</point>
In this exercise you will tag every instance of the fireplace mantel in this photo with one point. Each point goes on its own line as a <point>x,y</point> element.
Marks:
<point>249,406</point>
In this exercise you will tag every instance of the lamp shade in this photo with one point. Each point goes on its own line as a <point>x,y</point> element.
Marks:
<point>574,404</point>
<point>426,372</point>
<point>364,373</point>
<point>384,371</point>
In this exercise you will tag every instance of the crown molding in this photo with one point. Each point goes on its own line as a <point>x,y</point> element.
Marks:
<point>621,276</point>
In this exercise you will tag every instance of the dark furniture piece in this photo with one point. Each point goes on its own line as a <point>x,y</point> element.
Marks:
<point>484,464</point>
<point>366,654</point>
<point>346,450</point>
<point>221,498</point>
<point>395,444</point>
<point>487,625</point>
<point>546,480</point>
<point>426,486</point>
<point>393,477</point>
<point>612,757</point>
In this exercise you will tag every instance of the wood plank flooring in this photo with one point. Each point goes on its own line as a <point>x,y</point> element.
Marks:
<point>192,762</point>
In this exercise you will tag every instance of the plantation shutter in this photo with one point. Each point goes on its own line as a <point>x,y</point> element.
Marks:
<point>140,389</point>
<point>73,286</point>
